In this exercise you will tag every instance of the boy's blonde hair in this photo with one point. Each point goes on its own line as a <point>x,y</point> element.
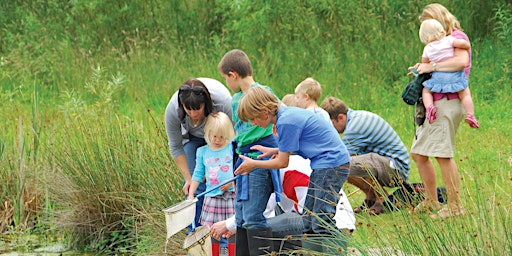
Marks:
<point>441,14</point>
<point>311,87</point>
<point>255,102</point>
<point>235,61</point>
<point>219,124</point>
<point>289,100</point>
<point>431,30</point>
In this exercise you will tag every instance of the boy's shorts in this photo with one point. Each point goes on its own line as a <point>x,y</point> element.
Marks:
<point>376,166</point>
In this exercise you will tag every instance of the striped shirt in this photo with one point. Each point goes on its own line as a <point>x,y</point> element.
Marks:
<point>366,132</point>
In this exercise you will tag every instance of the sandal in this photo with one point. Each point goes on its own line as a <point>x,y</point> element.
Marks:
<point>426,206</point>
<point>376,209</point>
<point>365,205</point>
<point>431,113</point>
<point>446,212</point>
<point>471,120</point>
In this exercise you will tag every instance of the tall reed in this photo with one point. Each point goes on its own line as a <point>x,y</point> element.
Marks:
<point>103,158</point>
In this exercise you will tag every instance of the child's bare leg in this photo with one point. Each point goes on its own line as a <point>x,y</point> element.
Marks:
<point>428,102</point>
<point>428,99</point>
<point>467,101</point>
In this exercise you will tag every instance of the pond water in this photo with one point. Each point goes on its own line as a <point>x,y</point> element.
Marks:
<point>21,245</point>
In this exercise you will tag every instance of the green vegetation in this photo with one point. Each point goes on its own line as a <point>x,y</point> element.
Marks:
<point>84,84</point>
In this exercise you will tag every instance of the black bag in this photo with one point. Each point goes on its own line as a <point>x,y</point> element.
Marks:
<point>420,113</point>
<point>410,195</point>
<point>412,92</point>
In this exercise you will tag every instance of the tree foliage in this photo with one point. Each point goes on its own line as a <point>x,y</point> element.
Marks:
<point>302,36</point>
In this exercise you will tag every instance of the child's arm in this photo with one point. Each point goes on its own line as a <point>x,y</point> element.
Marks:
<point>193,187</point>
<point>227,186</point>
<point>462,44</point>
<point>199,173</point>
<point>266,151</point>
<point>278,162</point>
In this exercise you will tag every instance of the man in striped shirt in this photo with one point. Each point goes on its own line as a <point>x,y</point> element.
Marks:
<point>379,157</point>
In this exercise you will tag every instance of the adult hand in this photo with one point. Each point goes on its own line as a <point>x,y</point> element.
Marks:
<point>265,151</point>
<point>424,68</point>
<point>246,166</point>
<point>186,187</point>
<point>219,229</point>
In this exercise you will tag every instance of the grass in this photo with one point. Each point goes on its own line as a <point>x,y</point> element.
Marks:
<point>84,155</point>
<point>104,176</point>
<point>479,232</point>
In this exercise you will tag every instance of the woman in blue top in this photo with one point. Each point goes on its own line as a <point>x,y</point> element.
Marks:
<point>303,133</point>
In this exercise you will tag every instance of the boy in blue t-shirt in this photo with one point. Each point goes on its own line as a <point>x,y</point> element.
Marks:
<point>300,132</point>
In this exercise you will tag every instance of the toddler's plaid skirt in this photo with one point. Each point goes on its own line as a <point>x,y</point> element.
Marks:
<point>217,208</point>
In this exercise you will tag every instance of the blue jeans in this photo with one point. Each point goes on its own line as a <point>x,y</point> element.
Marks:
<point>190,152</point>
<point>322,198</point>
<point>249,213</point>
<point>287,230</point>
<point>258,185</point>
<point>285,224</point>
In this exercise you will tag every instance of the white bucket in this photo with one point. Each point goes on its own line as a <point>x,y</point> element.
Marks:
<point>179,216</point>
<point>199,243</point>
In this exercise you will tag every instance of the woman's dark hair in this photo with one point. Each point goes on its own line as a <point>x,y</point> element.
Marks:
<point>192,94</point>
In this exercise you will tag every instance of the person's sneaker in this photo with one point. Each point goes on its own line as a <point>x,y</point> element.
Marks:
<point>364,206</point>
<point>419,113</point>
<point>223,251</point>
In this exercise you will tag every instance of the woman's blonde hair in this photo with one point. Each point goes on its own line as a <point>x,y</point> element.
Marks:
<point>431,30</point>
<point>219,124</point>
<point>255,102</point>
<point>441,14</point>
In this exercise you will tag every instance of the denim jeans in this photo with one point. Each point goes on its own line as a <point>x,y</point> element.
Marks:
<point>249,213</point>
<point>284,224</point>
<point>258,185</point>
<point>190,152</point>
<point>322,198</point>
<point>287,230</point>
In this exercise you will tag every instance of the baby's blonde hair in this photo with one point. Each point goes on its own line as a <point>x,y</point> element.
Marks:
<point>431,30</point>
<point>311,87</point>
<point>289,100</point>
<point>219,124</point>
<point>255,102</point>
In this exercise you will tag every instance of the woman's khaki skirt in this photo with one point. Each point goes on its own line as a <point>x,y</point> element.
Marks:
<point>438,139</point>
